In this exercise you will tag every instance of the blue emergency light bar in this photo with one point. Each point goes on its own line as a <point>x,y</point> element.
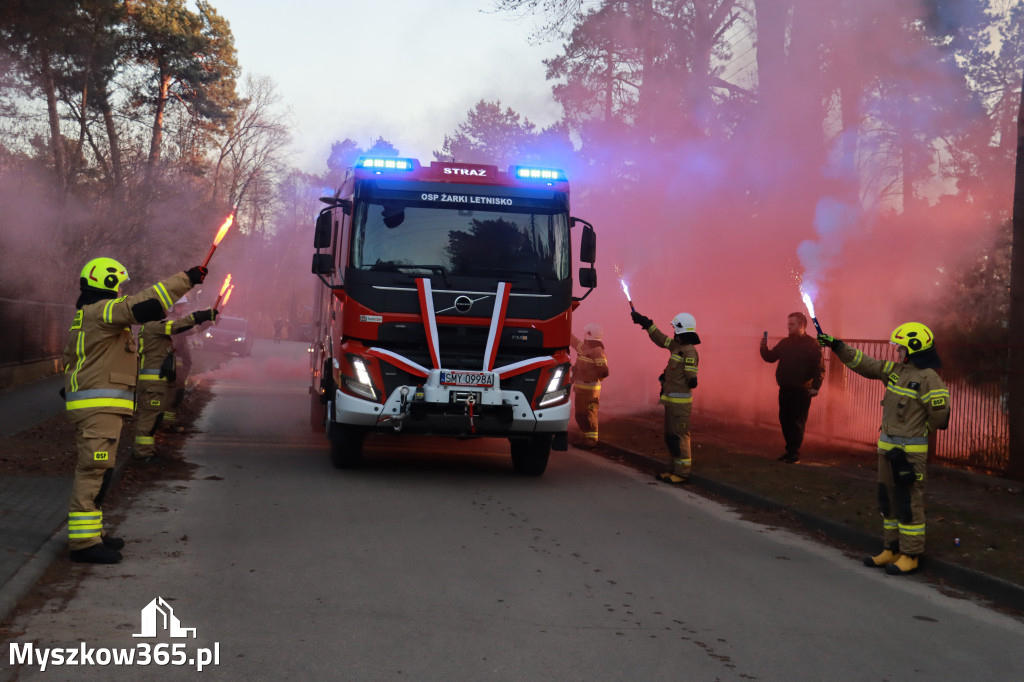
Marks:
<point>382,164</point>
<point>547,174</point>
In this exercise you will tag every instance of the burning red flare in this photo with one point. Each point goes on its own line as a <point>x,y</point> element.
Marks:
<point>220,235</point>
<point>227,296</point>
<point>224,288</point>
<point>224,228</point>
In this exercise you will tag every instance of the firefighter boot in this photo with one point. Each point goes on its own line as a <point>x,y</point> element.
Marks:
<point>111,542</point>
<point>676,479</point>
<point>888,555</point>
<point>96,554</point>
<point>903,565</point>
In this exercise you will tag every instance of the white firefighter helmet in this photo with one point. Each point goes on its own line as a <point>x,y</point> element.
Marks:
<point>684,322</point>
<point>593,332</point>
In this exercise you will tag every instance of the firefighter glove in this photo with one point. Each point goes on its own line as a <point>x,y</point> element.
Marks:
<point>692,382</point>
<point>830,341</point>
<point>167,369</point>
<point>197,274</point>
<point>208,315</point>
<point>639,319</point>
<point>902,469</point>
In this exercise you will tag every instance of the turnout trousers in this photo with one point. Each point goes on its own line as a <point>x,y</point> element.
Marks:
<point>149,414</point>
<point>587,400</point>
<point>677,436</point>
<point>96,444</point>
<point>902,506</point>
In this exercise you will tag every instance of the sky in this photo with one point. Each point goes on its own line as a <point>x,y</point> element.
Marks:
<point>406,70</point>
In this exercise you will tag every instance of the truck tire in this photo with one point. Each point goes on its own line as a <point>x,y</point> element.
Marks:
<point>530,454</point>
<point>317,414</point>
<point>318,404</point>
<point>346,445</point>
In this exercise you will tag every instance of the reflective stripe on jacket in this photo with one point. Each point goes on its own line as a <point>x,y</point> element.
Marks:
<point>916,400</point>
<point>681,367</point>
<point>155,344</point>
<point>100,364</point>
<point>591,362</point>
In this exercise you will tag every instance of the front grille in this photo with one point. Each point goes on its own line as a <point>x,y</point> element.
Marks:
<point>462,346</point>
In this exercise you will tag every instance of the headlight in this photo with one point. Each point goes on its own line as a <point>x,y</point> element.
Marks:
<point>555,393</point>
<point>361,383</point>
<point>556,379</point>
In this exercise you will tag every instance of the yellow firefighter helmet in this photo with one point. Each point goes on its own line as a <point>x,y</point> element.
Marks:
<point>105,274</point>
<point>913,336</point>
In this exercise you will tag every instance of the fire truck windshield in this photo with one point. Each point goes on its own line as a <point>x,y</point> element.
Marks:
<point>402,236</point>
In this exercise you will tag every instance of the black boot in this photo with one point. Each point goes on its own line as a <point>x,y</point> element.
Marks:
<point>112,542</point>
<point>96,554</point>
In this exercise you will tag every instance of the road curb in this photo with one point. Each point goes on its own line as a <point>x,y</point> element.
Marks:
<point>996,590</point>
<point>22,582</point>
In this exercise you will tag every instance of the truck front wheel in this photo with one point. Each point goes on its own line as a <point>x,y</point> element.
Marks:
<point>317,414</point>
<point>530,454</point>
<point>346,445</point>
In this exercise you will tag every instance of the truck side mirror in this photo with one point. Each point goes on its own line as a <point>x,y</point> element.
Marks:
<point>588,278</point>
<point>324,230</point>
<point>588,244</point>
<point>323,264</point>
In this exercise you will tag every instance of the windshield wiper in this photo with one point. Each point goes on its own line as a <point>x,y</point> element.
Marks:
<point>403,267</point>
<point>501,271</point>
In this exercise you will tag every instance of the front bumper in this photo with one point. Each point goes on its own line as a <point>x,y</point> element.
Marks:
<point>452,410</point>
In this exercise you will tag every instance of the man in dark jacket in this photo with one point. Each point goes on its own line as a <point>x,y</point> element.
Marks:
<point>799,374</point>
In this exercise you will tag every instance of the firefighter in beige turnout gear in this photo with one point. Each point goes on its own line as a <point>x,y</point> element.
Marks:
<point>100,375</point>
<point>157,374</point>
<point>590,369</point>
<point>677,384</point>
<point>916,403</point>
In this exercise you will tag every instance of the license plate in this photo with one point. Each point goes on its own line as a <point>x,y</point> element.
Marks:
<point>450,378</point>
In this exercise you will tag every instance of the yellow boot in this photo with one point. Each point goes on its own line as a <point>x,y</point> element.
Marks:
<point>905,564</point>
<point>888,556</point>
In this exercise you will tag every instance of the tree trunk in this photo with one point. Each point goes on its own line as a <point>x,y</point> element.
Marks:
<point>158,121</point>
<point>1015,467</point>
<point>56,140</point>
<point>646,92</point>
<point>112,139</point>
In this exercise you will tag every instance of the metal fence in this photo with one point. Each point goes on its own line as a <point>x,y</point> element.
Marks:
<point>32,331</point>
<point>848,407</point>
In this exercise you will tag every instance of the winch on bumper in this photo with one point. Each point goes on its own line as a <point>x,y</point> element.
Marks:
<point>439,408</point>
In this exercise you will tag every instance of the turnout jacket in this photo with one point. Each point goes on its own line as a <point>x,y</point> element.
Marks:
<point>680,375</point>
<point>800,362</point>
<point>155,344</point>
<point>100,363</point>
<point>591,362</point>
<point>916,400</point>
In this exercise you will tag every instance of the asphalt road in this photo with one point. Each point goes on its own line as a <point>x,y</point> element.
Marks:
<point>437,562</point>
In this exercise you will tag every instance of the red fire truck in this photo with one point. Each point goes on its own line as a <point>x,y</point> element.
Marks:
<point>446,306</point>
